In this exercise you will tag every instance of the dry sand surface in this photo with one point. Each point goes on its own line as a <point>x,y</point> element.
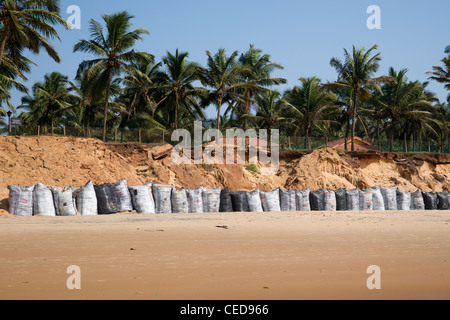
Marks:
<point>239,256</point>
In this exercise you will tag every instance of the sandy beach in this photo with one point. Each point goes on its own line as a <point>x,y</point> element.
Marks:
<point>239,256</point>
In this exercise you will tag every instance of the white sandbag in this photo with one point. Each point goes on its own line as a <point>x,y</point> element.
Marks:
<point>403,200</point>
<point>271,200</point>
<point>353,200</point>
<point>254,201</point>
<point>417,201</point>
<point>302,200</point>
<point>123,195</point>
<point>287,200</point>
<point>330,200</point>
<point>195,200</point>
<point>21,200</point>
<point>211,200</point>
<point>179,201</point>
<point>64,201</point>
<point>43,204</point>
<point>86,200</point>
<point>142,198</point>
<point>378,200</point>
<point>366,200</point>
<point>389,197</point>
<point>163,198</point>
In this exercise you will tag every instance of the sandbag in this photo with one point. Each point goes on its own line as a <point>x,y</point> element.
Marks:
<point>329,200</point>
<point>430,200</point>
<point>302,200</point>
<point>353,200</point>
<point>107,199</point>
<point>195,200</point>
<point>270,200</point>
<point>43,201</point>
<point>225,201</point>
<point>239,201</point>
<point>377,199</point>
<point>365,200</point>
<point>179,201</point>
<point>64,201</point>
<point>211,200</point>
<point>443,201</point>
<point>21,200</point>
<point>341,199</point>
<point>162,195</point>
<point>317,200</point>
<point>86,200</point>
<point>403,200</point>
<point>142,198</point>
<point>287,200</point>
<point>123,195</point>
<point>254,201</point>
<point>389,197</point>
<point>417,202</point>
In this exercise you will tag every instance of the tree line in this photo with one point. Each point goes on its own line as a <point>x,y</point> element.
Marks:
<point>119,87</point>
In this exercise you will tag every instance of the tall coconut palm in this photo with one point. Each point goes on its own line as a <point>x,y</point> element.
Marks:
<point>259,78</point>
<point>178,91</point>
<point>114,47</point>
<point>28,24</point>
<point>49,100</point>
<point>357,73</point>
<point>306,105</point>
<point>442,74</point>
<point>269,113</point>
<point>223,77</point>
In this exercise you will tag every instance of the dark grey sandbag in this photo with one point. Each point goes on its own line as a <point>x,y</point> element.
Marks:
<point>287,200</point>
<point>43,204</point>
<point>403,200</point>
<point>353,200</point>
<point>389,197</point>
<point>239,201</point>
<point>64,201</point>
<point>123,195</point>
<point>302,200</point>
<point>365,200</point>
<point>21,200</point>
<point>107,199</point>
<point>317,200</point>
<point>195,200</point>
<point>225,201</point>
<point>430,200</point>
<point>443,200</point>
<point>377,198</point>
<point>271,200</point>
<point>179,201</point>
<point>163,198</point>
<point>341,199</point>
<point>142,198</point>
<point>254,201</point>
<point>329,200</point>
<point>211,200</point>
<point>86,200</point>
<point>417,202</point>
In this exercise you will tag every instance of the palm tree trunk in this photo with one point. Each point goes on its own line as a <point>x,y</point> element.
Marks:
<point>105,115</point>
<point>3,45</point>
<point>405,143</point>
<point>176,110</point>
<point>347,130</point>
<point>219,106</point>
<point>354,120</point>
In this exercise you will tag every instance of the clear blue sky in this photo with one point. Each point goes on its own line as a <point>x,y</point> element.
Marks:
<point>302,35</point>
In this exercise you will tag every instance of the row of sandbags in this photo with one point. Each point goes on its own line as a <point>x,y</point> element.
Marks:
<point>157,198</point>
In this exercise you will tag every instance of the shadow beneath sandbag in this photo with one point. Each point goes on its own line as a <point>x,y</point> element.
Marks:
<point>4,204</point>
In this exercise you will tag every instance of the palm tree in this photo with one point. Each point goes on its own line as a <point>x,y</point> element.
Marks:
<point>49,99</point>
<point>223,76</point>
<point>306,105</point>
<point>404,105</point>
<point>269,113</point>
<point>114,49</point>
<point>259,78</point>
<point>442,74</point>
<point>356,73</point>
<point>178,92</point>
<point>28,24</point>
